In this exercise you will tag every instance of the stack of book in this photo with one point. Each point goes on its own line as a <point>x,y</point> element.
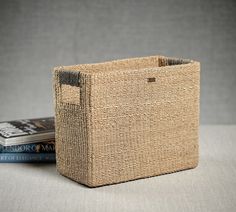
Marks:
<point>28,140</point>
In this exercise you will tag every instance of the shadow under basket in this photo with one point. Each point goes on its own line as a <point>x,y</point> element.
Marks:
<point>126,119</point>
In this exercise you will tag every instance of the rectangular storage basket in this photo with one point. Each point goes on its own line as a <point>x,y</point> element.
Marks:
<point>126,119</point>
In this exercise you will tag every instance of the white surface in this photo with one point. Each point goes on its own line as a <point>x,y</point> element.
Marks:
<point>209,187</point>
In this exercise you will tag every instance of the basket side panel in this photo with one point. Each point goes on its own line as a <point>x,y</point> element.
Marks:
<point>71,121</point>
<point>145,123</point>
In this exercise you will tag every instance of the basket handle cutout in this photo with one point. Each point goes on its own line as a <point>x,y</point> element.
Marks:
<point>70,87</point>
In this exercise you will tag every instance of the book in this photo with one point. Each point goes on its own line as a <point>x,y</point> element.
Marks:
<point>26,131</point>
<point>42,147</point>
<point>27,157</point>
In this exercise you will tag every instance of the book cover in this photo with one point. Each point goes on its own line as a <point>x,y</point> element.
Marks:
<point>27,157</point>
<point>26,131</point>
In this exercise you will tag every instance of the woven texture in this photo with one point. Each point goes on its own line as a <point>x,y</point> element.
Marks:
<point>126,119</point>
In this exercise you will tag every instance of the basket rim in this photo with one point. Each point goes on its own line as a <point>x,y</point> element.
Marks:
<point>96,68</point>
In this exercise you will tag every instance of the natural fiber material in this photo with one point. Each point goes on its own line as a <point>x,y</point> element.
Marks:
<point>126,119</point>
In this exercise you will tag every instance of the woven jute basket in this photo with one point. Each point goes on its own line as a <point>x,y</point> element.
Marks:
<point>126,119</point>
